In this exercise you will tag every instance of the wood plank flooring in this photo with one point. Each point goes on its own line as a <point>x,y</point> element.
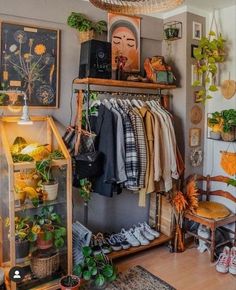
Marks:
<point>189,270</point>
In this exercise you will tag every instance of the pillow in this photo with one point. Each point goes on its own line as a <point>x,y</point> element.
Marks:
<point>212,210</point>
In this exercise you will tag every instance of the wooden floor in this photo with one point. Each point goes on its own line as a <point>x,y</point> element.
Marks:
<point>185,271</point>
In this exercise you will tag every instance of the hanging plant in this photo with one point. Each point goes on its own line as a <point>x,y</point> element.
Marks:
<point>210,52</point>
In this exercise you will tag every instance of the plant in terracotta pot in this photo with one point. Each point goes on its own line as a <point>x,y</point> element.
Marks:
<point>85,27</point>
<point>47,229</point>
<point>22,232</point>
<point>44,169</point>
<point>210,53</point>
<point>229,125</point>
<point>96,270</point>
<point>215,123</point>
<point>70,282</point>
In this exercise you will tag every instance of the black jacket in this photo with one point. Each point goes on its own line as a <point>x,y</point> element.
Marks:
<point>106,143</point>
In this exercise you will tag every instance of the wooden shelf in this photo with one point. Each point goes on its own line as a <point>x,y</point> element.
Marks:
<point>161,240</point>
<point>221,140</point>
<point>124,84</point>
<point>46,203</point>
<point>31,165</point>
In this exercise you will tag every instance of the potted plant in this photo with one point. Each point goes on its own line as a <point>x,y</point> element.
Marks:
<point>215,123</point>
<point>22,231</point>
<point>171,32</point>
<point>210,52</point>
<point>47,229</point>
<point>44,169</point>
<point>85,27</point>
<point>70,282</point>
<point>229,125</point>
<point>97,270</point>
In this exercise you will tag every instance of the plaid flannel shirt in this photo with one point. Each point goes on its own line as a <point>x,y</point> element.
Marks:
<point>131,155</point>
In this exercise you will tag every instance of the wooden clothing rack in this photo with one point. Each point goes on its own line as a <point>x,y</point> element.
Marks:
<point>108,86</point>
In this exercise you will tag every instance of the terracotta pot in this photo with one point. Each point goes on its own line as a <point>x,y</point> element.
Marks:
<point>41,243</point>
<point>76,287</point>
<point>51,190</point>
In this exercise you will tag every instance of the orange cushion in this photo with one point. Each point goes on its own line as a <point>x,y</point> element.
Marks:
<point>212,210</point>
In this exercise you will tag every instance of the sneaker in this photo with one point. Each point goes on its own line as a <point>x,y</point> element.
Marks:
<point>122,240</point>
<point>104,245</point>
<point>232,262</point>
<point>139,236</point>
<point>150,230</point>
<point>115,245</point>
<point>222,265</point>
<point>145,233</point>
<point>130,238</point>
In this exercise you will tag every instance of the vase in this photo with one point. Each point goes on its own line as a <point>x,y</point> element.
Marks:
<point>22,250</point>
<point>228,136</point>
<point>51,190</point>
<point>215,135</point>
<point>41,242</point>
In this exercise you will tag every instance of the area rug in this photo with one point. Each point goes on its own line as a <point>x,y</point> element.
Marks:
<point>138,278</point>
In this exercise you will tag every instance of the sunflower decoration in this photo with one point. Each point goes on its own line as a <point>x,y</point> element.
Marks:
<point>40,49</point>
<point>192,195</point>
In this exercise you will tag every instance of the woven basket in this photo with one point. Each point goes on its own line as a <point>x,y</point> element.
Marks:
<point>229,136</point>
<point>85,35</point>
<point>46,266</point>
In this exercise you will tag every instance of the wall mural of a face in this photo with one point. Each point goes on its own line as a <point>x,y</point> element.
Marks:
<point>124,34</point>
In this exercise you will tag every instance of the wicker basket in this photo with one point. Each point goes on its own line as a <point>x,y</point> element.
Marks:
<point>229,136</point>
<point>44,266</point>
<point>85,35</point>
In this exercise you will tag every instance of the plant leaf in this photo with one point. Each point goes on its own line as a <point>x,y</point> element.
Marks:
<point>100,280</point>
<point>87,275</point>
<point>87,251</point>
<point>59,243</point>
<point>107,271</point>
<point>213,88</point>
<point>77,270</point>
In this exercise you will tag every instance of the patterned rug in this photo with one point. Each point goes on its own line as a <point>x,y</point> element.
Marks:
<point>138,278</point>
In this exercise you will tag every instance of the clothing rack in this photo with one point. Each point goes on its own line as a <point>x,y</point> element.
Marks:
<point>139,89</point>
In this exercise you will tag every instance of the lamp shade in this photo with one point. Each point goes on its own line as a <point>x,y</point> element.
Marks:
<point>136,6</point>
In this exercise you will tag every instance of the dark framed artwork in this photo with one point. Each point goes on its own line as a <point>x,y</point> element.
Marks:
<point>193,47</point>
<point>30,58</point>
<point>124,35</point>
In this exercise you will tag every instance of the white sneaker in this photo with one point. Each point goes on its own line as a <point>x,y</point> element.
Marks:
<point>232,262</point>
<point>150,230</point>
<point>222,265</point>
<point>145,233</point>
<point>130,238</point>
<point>138,235</point>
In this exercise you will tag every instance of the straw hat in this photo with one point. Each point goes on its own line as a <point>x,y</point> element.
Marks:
<point>228,89</point>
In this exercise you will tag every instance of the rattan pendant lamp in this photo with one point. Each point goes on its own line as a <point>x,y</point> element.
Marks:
<point>136,6</point>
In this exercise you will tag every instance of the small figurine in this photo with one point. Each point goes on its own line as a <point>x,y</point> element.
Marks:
<point>121,61</point>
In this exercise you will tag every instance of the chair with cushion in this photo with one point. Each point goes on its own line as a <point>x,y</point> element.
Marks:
<point>213,214</point>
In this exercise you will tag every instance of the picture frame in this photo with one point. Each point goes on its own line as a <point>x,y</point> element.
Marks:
<point>193,47</point>
<point>124,35</point>
<point>194,137</point>
<point>30,62</point>
<point>197,30</point>
<point>195,76</point>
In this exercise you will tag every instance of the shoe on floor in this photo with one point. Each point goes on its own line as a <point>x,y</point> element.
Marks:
<point>232,262</point>
<point>130,238</point>
<point>222,265</point>
<point>137,232</point>
<point>149,230</point>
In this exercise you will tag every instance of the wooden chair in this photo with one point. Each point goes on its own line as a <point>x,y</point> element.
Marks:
<point>213,224</point>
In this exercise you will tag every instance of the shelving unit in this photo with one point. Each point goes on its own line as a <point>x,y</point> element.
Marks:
<point>104,85</point>
<point>43,131</point>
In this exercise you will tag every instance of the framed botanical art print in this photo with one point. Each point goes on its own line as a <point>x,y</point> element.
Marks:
<point>124,35</point>
<point>194,137</point>
<point>30,63</point>
<point>197,30</point>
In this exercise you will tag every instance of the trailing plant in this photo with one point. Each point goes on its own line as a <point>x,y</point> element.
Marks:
<point>44,167</point>
<point>40,222</point>
<point>210,52</point>
<point>22,228</point>
<point>81,23</point>
<point>85,189</point>
<point>96,268</point>
<point>232,182</point>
